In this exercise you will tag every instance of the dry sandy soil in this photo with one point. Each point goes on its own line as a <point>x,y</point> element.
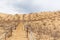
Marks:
<point>41,26</point>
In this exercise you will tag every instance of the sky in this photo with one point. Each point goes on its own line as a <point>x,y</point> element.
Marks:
<point>28,6</point>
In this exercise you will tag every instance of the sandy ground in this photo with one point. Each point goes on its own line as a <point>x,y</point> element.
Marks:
<point>19,33</point>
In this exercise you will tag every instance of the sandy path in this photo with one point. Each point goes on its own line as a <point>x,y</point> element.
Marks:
<point>19,33</point>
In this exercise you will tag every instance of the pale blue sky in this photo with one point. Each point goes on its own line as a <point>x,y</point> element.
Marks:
<point>28,6</point>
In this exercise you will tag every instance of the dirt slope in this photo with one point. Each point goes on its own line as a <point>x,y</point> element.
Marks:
<point>19,33</point>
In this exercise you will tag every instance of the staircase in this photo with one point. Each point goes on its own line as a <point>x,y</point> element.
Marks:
<point>19,33</point>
